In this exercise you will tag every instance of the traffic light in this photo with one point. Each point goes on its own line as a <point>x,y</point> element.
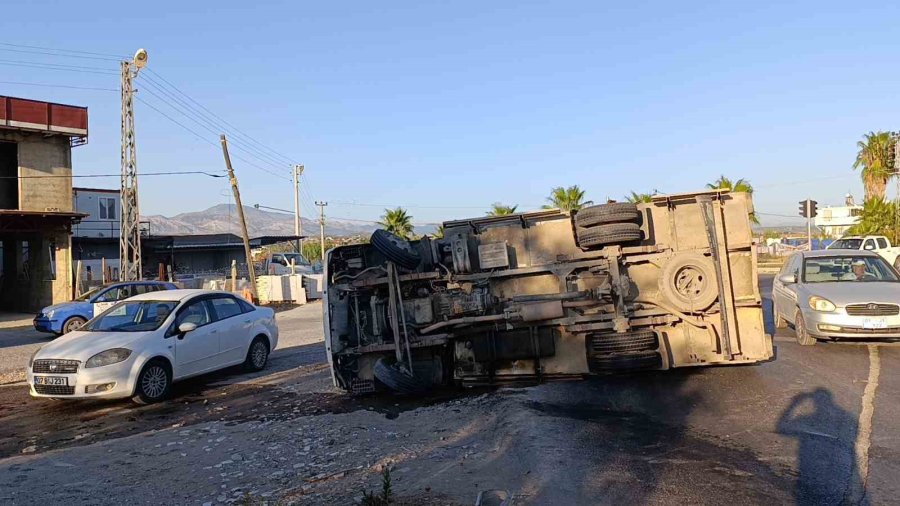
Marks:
<point>808,208</point>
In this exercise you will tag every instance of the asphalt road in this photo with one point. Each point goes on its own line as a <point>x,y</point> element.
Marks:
<point>815,426</point>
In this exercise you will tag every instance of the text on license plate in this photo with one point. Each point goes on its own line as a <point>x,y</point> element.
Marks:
<point>874,323</point>
<point>51,380</point>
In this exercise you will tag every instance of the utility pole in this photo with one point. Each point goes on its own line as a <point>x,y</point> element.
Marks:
<point>322,227</point>
<point>240,209</point>
<point>298,226</point>
<point>129,224</point>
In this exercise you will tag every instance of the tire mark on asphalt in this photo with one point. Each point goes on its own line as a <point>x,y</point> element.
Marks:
<point>864,431</point>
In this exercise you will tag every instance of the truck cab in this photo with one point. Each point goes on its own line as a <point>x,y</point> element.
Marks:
<point>876,243</point>
<point>278,264</point>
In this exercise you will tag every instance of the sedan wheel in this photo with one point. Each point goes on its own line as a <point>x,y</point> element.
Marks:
<point>800,329</point>
<point>257,355</point>
<point>154,383</point>
<point>72,324</point>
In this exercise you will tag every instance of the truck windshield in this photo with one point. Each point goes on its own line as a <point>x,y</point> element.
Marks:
<point>846,268</point>
<point>297,258</point>
<point>132,316</point>
<point>846,244</point>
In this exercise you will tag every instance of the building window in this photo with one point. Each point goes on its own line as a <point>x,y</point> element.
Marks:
<point>855,212</point>
<point>107,208</point>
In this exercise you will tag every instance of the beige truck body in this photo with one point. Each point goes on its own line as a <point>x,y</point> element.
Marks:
<point>542,295</point>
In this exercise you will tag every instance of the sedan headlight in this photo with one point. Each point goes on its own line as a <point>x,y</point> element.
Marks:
<point>50,313</point>
<point>108,357</point>
<point>821,304</point>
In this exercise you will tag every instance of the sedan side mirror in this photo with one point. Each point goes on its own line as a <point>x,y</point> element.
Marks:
<point>186,327</point>
<point>787,279</point>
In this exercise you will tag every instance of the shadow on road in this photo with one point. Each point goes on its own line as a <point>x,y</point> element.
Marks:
<point>825,434</point>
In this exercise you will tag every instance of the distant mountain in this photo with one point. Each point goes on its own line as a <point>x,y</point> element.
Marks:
<point>223,218</point>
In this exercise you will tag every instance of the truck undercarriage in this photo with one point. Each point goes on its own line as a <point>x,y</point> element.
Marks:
<point>542,295</point>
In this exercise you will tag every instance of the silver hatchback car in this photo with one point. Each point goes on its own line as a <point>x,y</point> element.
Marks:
<point>833,294</point>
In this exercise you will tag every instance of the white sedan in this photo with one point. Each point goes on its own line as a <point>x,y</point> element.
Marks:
<point>140,346</point>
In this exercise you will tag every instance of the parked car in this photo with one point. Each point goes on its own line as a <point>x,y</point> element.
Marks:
<point>877,243</point>
<point>837,294</point>
<point>63,318</point>
<point>140,346</point>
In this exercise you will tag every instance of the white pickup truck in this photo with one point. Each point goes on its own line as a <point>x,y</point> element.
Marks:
<point>280,263</point>
<point>877,243</point>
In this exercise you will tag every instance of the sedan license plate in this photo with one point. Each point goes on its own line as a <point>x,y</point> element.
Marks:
<point>874,323</point>
<point>51,380</point>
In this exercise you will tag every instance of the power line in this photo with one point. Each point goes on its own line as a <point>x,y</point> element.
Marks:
<point>112,56</point>
<point>287,159</point>
<point>193,113</point>
<point>27,51</point>
<point>56,66</point>
<point>47,85</point>
<point>170,173</point>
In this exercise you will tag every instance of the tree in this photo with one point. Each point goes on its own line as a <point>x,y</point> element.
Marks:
<point>640,198</point>
<point>876,157</point>
<point>397,222</point>
<point>498,209</point>
<point>439,232</point>
<point>878,217</point>
<point>741,185</point>
<point>566,199</point>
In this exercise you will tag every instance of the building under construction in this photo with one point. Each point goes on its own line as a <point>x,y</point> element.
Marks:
<point>36,212</point>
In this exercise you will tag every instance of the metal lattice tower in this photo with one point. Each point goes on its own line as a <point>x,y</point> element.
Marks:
<point>130,227</point>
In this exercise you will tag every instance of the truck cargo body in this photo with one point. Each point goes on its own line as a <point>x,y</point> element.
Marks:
<point>548,294</point>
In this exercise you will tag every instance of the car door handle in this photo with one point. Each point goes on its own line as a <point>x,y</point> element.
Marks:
<point>247,321</point>
<point>213,331</point>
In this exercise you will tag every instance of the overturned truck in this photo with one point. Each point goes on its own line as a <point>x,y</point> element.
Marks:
<point>547,294</point>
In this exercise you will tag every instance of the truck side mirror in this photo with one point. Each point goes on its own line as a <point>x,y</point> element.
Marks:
<point>869,247</point>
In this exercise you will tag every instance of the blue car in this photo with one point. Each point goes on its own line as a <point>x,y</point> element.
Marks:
<point>63,318</point>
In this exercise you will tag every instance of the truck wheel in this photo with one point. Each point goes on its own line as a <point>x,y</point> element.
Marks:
<point>395,249</point>
<point>688,281</point>
<point>612,233</point>
<point>615,212</point>
<point>802,332</point>
<point>389,374</point>
<point>607,343</point>
<point>618,362</point>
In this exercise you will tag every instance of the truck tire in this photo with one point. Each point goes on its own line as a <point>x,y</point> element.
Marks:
<point>389,374</point>
<point>688,282</point>
<point>608,343</point>
<point>614,212</point>
<point>612,233</point>
<point>395,249</point>
<point>618,362</point>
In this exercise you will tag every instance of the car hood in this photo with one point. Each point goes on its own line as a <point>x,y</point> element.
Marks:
<point>849,292</point>
<point>83,345</point>
<point>64,306</point>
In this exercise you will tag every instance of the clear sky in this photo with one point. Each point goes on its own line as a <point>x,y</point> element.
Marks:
<point>446,107</point>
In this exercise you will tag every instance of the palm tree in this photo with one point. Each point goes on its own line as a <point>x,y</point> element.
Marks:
<point>397,222</point>
<point>439,232</point>
<point>566,199</point>
<point>640,198</point>
<point>878,217</point>
<point>741,185</point>
<point>876,157</point>
<point>498,209</point>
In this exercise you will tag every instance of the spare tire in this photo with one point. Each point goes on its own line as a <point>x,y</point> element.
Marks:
<point>613,233</point>
<point>614,342</point>
<point>619,362</point>
<point>395,249</point>
<point>688,282</point>
<point>614,212</point>
<point>389,374</point>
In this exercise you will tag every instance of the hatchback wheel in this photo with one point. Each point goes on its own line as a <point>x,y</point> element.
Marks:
<point>153,383</point>
<point>257,355</point>
<point>72,324</point>
<point>802,332</point>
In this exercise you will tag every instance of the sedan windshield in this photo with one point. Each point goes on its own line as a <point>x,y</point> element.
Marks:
<point>90,293</point>
<point>846,244</point>
<point>132,316</point>
<point>847,268</point>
